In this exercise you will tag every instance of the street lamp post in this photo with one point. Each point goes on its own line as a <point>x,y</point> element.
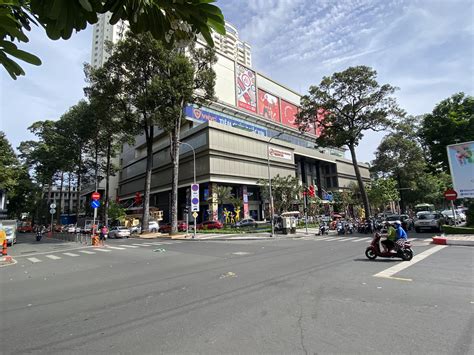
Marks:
<point>194,176</point>
<point>270,183</point>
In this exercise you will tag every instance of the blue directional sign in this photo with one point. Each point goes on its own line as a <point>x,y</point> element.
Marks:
<point>95,204</point>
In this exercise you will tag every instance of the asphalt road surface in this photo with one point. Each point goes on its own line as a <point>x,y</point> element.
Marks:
<point>293,296</point>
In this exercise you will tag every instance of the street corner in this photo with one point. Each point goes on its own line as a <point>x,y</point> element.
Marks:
<point>154,236</point>
<point>461,240</point>
<point>7,260</point>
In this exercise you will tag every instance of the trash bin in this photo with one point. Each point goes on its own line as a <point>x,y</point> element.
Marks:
<point>292,225</point>
<point>286,224</point>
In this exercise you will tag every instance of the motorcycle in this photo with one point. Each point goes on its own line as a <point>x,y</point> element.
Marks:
<point>39,235</point>
<point>349,228</point>
<point>323,229</point>
<point>340,229</point>
<point>373,250</point>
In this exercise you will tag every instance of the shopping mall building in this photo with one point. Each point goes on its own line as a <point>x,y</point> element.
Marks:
<point>233,144</point>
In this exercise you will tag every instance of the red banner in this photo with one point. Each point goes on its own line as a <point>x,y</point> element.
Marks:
<point>246,88</point>
<point>268,106</point>
<point>288,114</point>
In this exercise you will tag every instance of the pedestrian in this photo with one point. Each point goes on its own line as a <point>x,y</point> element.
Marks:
<point>103,234</point>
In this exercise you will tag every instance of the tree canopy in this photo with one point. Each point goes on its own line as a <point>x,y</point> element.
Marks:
<point>168,21</point>
<point>345,105</point>
<point>452,121</point>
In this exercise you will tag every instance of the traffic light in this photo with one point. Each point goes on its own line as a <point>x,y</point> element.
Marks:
<point>311,192</point>
<point>137,199</point>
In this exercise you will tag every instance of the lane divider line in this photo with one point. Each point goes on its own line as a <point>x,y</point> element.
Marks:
<point>115,248</point>
<point>71,254</point>
<point>104,250</point>
<point>86,252</point>
<point>128,246</point>
<point>53,257</point>
<point>34,260</point>
<point>388,273</point>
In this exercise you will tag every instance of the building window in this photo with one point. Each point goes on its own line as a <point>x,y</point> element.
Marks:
<point>334,181</point>
<point>328,182</point>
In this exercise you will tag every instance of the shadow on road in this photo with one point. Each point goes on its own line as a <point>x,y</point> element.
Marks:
<point>384,260</point>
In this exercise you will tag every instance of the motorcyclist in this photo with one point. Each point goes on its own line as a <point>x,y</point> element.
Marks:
<point>389,242</point>
<point>400,234</point>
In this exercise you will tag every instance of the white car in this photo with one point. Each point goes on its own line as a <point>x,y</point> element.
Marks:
<point>73,229</point>
<point>428,221</point>
<point>119,232</point>
<point>448,214</point>
<point>11,234</point>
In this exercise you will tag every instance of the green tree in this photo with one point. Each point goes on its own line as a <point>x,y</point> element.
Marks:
<point>286,192</point>
<point>382,191</point>
<point>452,121</point>
<point>155,84</point>
<point>351,103</point>
<point>168,21</point>
<point>116,212</point>
<point>9,165</point>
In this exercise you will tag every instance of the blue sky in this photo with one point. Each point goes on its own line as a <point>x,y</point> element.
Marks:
<point>424,47</point>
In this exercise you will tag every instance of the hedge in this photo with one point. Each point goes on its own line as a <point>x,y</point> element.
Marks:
<point>457,230</point>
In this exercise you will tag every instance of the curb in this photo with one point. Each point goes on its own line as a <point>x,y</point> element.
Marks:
<point>7,260</point>
<point>452,241</point>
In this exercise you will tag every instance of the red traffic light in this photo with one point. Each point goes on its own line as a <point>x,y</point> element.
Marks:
<point>311,192</point>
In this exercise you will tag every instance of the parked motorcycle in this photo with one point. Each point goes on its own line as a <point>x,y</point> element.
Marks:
<point>373,250</point>
<point>349,228</point>
<point>340,229</point>
<point>39,235</point>
<point>323,229</point>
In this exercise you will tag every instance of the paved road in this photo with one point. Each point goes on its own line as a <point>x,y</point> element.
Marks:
<point>299,296</point>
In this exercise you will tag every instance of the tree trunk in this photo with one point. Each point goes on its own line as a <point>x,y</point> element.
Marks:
<point>363,193</point>
<point>174,151</point>
<point>107,182</point>
<point>78,197</point>
<point>149,166</point>
<point>58,216</point>
<point>69,195</point>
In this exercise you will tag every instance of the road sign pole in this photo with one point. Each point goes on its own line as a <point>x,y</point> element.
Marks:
<point>454,212</point>
<point>52,216</point>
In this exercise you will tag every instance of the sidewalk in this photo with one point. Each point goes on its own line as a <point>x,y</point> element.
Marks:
<point>454,239</point>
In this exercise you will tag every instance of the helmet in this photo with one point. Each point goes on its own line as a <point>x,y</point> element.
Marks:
<point>398,223</point>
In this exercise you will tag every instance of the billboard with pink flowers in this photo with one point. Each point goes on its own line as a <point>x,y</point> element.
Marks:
<point>268,106</point>
<point>461,164</point>
<point>246,88</point>
<point>288,114</point>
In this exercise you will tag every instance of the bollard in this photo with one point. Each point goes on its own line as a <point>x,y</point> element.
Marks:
<point>4,248</point>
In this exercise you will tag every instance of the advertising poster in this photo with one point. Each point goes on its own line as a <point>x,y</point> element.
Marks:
<point>319,119</point>
<point>268,106</point>
<point>461,164</point>
<point>288,114</point>
<point>245,88</point>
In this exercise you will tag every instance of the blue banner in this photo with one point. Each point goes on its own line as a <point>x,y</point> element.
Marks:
<point>205,114</point>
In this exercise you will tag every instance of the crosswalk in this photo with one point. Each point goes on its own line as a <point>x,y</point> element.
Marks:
<point>107,249</point>
<point>353,239</point>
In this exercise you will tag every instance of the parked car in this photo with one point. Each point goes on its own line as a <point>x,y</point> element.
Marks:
<point>428,220</point>
<point>119,232</point>
<point>166,227</point>
<point>25,227</point>
<point>247,222</point>
<point>449,219</point>
<point>210,225</point>
<point>153,227</point>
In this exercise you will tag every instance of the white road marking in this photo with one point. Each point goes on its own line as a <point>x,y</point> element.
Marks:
<point>428,239</point>
<point>141,244</point>
<point>146,244</point>
<point>116,248</point>
<point>128,246</point>
<point>361,240</point>
<point>53,257</point>
<point>339,239</point>
<point>104,250</point>
<point>323,238</point>
<point>344,239</point>
<point>34,260</point>
<point>155,243</point>
<point>241,253</point>
<point>388,273</point>
<point>70,254</point>
<point>86,252</point>
<point>331,238</point>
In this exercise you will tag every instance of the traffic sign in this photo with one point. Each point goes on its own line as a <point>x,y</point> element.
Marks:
<point>195,197</point>
<point>450,195</point>
<point>53,205</point>
<point>95,204</point>
<point>95,195</point>
<point>195,214</point>
<point>52,211</point>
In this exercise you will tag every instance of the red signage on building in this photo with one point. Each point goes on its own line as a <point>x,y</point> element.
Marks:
<point>95,196</point>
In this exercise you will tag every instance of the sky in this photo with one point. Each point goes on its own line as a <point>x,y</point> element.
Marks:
<point>423,47</point>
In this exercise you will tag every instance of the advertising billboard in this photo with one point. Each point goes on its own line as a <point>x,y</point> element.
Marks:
<point>461,164</point>
<point>288,114</point>
<point>246,88</point>
<point>268,106</point>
